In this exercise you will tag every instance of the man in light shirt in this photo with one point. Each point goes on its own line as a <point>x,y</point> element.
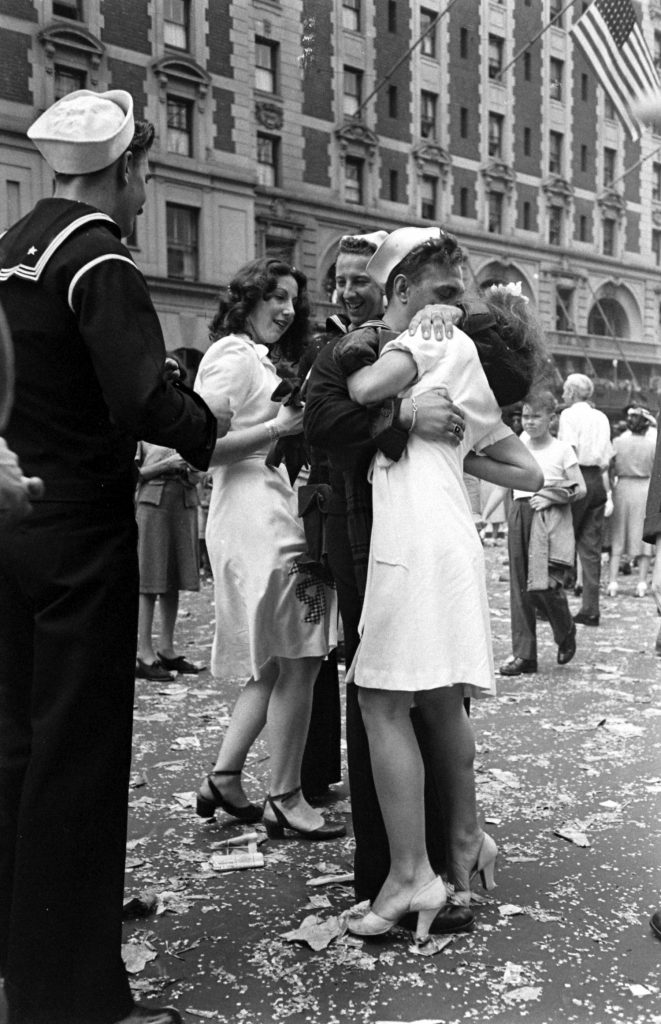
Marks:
<point>588,431</point>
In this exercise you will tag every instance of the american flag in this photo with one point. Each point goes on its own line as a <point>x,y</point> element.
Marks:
<point>610,37</point>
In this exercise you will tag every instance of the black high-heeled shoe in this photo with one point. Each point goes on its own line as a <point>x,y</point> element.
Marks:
<point>206,806</point>
<point>276,829</point>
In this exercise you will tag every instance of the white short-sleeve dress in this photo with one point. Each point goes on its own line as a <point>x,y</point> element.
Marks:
<point>425,621</point>
<point>265,608</point>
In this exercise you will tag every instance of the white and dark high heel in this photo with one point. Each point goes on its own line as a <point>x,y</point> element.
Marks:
<point>484,867</point>
<point>426,902</point>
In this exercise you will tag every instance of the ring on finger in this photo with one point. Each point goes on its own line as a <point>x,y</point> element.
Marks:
<point>457,429</point>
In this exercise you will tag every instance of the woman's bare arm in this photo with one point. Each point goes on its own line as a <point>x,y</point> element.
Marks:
<point>507,463</point>
<point>385,378</point>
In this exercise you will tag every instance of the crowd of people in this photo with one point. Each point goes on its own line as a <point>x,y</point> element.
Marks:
<point>398,401</point>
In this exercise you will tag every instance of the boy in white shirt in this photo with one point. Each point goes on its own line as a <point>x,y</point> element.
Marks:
<point>541,540</point>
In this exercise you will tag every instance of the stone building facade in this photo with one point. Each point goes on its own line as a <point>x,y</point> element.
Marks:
<point>284,124</point>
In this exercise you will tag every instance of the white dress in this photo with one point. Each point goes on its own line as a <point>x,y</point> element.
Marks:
<point>265,608</point>
<point>425,621</point>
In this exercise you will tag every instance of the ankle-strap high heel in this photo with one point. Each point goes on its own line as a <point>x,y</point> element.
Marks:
<point>426,902</point>
<point>484,867</point>
<point>206,806</point>
<point>276,829</point>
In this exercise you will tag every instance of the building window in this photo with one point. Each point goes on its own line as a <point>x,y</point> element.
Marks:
<point>584,157</point>
<point>463,122</point>
<point>13,202</point>
<point>609,165</point>
<point>176,23</point>
<point>608,236</point>
<point>656,247</point>
<point>351,15</point>
<point>463,43</point>
<point>463,202</point>
<point>555,225</point>
<point>392,101</point>
<point>527,66</point>
<point>495,56</point>
<point>585,91</point>
<point>496,135</point>
<point>428,44</point>
<point>556,140</point>
<point>526,216</point>
<point>428,115</point>
<point>392,15</point>
<point>180,126</point>
<point>564,298</point>
<point>353,89</point>
<point>68,80</point>
<point>527,135</point>
<point>495,213</point>
<point>353,180</point>
<point>582,228</point>
<point>556,75</point>
<point>656,182</point>
<point>267,160</point>
<point>428,197</point>
<point>266,65</point>
<point>609,108</point>
<point>182,237</point>
<point>657,50</point>
<point>68,9</point>
<point>394,186</point>
<point>555,8</point>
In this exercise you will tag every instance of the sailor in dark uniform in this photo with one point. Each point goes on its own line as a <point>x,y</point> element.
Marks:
<point>90,380</point>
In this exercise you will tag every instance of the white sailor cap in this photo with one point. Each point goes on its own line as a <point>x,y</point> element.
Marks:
<point>395,247</point>
<point>84,131</point>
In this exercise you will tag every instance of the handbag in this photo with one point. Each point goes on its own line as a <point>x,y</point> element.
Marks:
<point>313,505</point>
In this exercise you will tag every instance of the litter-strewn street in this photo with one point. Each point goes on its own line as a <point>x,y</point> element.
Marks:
<point>569,780</point>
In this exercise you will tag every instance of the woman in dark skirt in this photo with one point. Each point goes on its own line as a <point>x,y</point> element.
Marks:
<point>167,501</point>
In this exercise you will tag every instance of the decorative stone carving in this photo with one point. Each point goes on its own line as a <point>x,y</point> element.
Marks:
<point>60,39</point>
<point>269,116</point>
<point>356,137</point>
<point>611,202</point>
<point>557,190</point>
<point>181,69</point>
<point>431,153</point>
<point>498,176</point>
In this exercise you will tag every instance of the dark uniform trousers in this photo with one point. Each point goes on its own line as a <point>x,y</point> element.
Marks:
<point>68,602</point>
<point>372,856</point>
<point>523,602</point>
<point>588,517</point>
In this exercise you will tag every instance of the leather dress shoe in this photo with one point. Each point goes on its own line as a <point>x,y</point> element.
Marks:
<point>586,620</point>
<point>151,1015</point>
<point>518,666</point>
<point>567,649</point>
<point>450,919</point>
<point>655,923</point>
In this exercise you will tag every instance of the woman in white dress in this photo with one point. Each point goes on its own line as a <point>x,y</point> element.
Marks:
<point>425,624</point>
<point>274,623</point>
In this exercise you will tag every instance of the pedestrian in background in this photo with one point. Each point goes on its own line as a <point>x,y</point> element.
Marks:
<point>91,380</point>
<point>168,555</point>
<point>540,540</point>
<point>588,431</point>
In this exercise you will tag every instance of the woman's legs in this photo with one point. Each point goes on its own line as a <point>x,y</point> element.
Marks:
<point>399,780</point>
<point>168,606</point>
<point>145,626</point>
<point>247,721</point>
<point>452,755</point>
<point>288,718</point>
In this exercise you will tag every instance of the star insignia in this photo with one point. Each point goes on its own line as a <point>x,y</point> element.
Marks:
<point>32,251</point>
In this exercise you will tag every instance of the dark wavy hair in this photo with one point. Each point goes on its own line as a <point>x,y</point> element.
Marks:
<point>143,137</point>
<point>354,245</point>
<point>436,252</point>
<point>510,346</point>
<point>258,280</point>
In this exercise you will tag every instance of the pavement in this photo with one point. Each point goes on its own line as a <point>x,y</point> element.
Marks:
<point>569,784</point>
